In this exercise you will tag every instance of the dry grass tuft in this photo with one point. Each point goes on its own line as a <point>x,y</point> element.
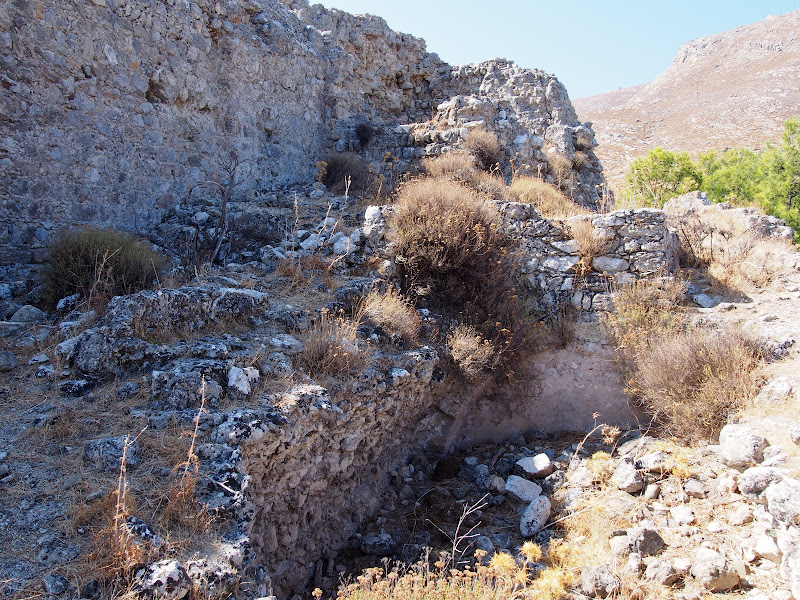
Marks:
<point>331,347</point>
<point>547,199</point>
<point>590,244</point>
<point>392,311</point>
<point>559,167</point>
<point>483,145</point>
<point>451,165</point>
<point>471,352</point>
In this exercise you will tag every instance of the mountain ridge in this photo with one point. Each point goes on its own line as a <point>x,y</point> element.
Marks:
<point>729,89</point>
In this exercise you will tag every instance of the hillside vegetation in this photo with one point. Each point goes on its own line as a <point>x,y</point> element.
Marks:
<point>769,179</point>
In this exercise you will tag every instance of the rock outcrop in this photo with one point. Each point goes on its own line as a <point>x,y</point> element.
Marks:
<point>111,111</point>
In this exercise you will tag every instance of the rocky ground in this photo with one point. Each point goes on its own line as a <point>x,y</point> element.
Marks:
<point>653,518</point>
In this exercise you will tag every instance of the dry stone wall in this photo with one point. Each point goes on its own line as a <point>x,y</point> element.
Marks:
<point>111,110</point>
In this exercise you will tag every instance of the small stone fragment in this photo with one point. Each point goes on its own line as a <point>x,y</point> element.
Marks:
<point>522,489</point>
<point>164,580</point>
<point>538,466</point>
<point>535,517</point>
<point>740,446</point>
<point>626,477</point>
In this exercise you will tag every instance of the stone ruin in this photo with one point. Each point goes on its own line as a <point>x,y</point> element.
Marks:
<point>110,110</point>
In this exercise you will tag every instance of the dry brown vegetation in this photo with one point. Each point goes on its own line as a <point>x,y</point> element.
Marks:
<point>485,148</point>
<point>505,576</point>
<point>590,244</point>
<point>331,347</point>
<point>694,380</point>
<point>547,199</point>
<point>470,351</point>
<point>452,256</point>
<point>461,167</point>
<point>392,311</point>
<point>720,244</point>
<point>689,379</point>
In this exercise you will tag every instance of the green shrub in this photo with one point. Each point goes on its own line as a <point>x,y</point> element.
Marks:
<point>452,255</point>
<point>485,148</point>
<point>98,264</point>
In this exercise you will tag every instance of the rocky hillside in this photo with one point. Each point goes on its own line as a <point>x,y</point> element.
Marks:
<point>731,89</point>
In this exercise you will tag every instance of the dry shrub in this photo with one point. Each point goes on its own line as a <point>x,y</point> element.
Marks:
<point>747,264</point>
<point>693,380</point>
<point>98,264</point>
<point>460,167</point>
<point>452,255</point>
<point>547,199</point>
<point>483,145</point>
<point>392,311</point>
<point>451,165</point>
<point>580,160</point>
<point>491,184</point>
<point>731,254</point>
<point>470,351</point>
<point>331,347</point>
<point>560,168</point>
<point>643,311</point>
<point>590,244</point>
<point>340,168</point>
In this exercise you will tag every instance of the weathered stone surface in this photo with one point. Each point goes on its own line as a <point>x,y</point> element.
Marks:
<point>538,466</point>
<point>522,489</point>
<point>7,360</point>
<point>29,314</point>
<point>783,500</point>
<point>714,571</point>
<point>626,477</point>
<point>608,264</point>
<point>775,392</point>
<point>534,517</point>
<point>164,580</point>
<point>642,540</point>
<point>599,582</point>
<point>106,453</point>
<point>379,545</point>
<point>661,571</point>
<point>755,480</point>
<point>740,446</point>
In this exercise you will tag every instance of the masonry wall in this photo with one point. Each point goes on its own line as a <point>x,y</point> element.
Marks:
<point>110,111</point>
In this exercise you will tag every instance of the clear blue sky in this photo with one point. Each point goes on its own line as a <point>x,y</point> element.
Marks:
<point>592,46</point>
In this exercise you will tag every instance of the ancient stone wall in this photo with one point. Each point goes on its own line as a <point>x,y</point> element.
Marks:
<point>110,111</point>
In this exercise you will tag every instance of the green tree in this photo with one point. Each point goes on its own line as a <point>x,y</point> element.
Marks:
<point>661,175</point>
<point>734,177</point>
